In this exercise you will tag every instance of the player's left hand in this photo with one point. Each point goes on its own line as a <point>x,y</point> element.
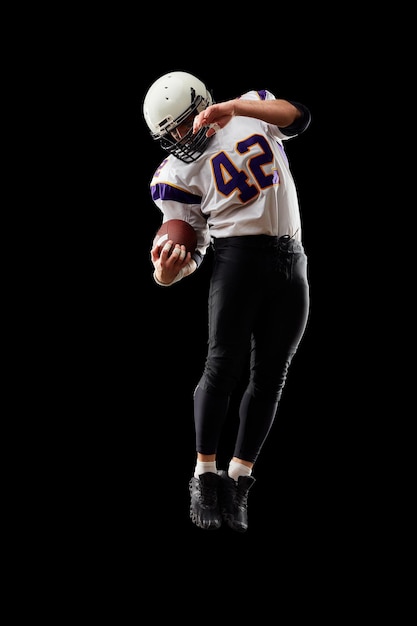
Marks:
<point>215,117</point>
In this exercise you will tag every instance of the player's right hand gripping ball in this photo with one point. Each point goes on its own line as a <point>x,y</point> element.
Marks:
<point>178,231</point>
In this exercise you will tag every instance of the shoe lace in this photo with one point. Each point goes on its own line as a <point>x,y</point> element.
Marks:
<point>208,495</point>
<point>241,497</point>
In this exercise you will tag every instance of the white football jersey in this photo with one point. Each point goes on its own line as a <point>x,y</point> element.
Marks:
<point>240,185</point>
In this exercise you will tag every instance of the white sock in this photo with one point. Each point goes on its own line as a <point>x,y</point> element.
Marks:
<point>201,467</point>
<point>238,469</point>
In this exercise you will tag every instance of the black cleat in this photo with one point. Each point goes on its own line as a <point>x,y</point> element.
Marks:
<point>234,500</point>
<point>204,506</point>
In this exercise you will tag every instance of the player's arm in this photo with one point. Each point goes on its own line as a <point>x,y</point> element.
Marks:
<point>170,268</point>
<point>281,113</point>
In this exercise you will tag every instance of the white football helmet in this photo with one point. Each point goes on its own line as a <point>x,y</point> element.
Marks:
<point>169,101</point>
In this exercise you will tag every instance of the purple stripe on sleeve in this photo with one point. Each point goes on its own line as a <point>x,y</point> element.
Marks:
<point>162,191</point>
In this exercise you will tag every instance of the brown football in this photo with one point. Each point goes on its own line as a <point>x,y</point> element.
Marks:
<point>178,231</point>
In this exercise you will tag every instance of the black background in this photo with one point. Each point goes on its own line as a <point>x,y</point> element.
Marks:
<point>116,358</point>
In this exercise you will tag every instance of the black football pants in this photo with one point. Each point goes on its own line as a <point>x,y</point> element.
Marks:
<point>257,312</point>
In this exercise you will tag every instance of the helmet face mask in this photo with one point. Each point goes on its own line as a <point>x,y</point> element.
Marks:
<point>169,102</point>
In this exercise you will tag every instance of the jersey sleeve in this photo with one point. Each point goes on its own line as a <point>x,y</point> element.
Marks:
<point>299,126</point>
<point>176,202</point>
